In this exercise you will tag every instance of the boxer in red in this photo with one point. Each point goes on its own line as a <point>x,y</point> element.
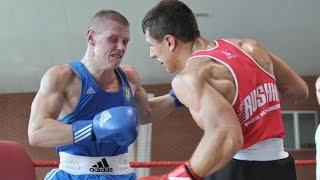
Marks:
<point>234,89</point>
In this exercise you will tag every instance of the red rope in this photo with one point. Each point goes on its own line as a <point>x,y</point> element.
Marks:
<point>45,163</point>
<point>305,162</point>
<point>134,164</point>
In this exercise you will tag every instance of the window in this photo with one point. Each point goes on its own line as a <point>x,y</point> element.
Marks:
<point>300,127</point>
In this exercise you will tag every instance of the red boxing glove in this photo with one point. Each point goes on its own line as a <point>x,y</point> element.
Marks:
<point>182,171</point>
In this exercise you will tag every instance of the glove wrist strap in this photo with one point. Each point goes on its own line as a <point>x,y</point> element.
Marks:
<point>82,132</point>
<point>176,100</point>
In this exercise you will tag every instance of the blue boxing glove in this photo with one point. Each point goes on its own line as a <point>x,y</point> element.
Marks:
<point>118,124</point>
<point>176,100</point>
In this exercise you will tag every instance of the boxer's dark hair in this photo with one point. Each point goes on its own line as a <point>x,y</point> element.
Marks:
<point>171,17</point>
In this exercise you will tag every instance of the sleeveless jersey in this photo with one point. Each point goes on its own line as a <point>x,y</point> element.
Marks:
<point>94,100</point>
<point>256,101</point>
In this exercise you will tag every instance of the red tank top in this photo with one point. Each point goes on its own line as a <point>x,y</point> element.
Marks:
<point>256,101</point>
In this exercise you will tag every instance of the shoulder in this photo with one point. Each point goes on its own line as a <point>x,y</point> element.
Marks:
<point>248,44</point>
<point>202,68</point>
<point>193,75</point>
<point>131,74</point>
<point>56,78</point>
<point>257,52</point>
<point>204,73</point>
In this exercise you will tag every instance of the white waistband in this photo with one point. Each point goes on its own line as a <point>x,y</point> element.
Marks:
<point>109,165</point>
<point>267,150</point>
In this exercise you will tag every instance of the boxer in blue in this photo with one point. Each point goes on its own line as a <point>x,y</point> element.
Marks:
<point>91,109</point>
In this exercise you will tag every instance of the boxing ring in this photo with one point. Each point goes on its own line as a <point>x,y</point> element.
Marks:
<point>159,164</point>
<point>13,156</point>
<point>154,164</point>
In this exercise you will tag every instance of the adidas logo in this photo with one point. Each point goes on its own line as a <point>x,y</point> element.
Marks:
<point>90,91</point>
<point>101,166</point>
<point>105,116</point>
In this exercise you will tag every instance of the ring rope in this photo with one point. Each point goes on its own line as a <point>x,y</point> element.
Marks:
<point>134,164</point>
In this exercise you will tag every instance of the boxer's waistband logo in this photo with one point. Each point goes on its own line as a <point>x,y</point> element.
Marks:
<point>101,166</point>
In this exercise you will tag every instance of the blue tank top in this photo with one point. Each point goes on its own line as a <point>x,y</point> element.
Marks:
<point>92,101</point>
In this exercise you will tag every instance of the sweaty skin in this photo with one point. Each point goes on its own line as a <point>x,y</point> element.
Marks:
<point>220,78</point>
<point>60,87</point>
<point>211,89</point>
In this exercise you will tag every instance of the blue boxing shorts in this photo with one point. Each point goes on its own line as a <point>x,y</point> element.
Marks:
<point>83,167</point>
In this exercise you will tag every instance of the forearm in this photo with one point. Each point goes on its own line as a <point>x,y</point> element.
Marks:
<point>160,107</point>
<point>287,99</point>
<point>292,88</point>
<point>293,95</point>
<point>50,133</point>
<point>214,151</point>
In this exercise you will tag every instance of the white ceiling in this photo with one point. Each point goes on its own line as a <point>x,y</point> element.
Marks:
<point>37,34</point>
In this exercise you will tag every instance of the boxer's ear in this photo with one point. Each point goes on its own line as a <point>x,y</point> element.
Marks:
<point>171,42</point>
<point>91,37</point>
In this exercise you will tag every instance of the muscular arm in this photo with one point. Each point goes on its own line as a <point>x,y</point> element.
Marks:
<point>222,131</point>
<point>292,88</point>
<point>155,108</point>
<point>44,129</point>
<point>151,109</point>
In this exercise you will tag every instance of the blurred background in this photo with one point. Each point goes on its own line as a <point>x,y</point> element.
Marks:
<point>36,35</point>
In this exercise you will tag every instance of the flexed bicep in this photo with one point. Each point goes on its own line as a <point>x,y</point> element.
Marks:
<point>46,106</point>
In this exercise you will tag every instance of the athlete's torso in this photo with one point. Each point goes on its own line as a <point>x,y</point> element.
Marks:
<point>92,100</point>
<point>255,97</point>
